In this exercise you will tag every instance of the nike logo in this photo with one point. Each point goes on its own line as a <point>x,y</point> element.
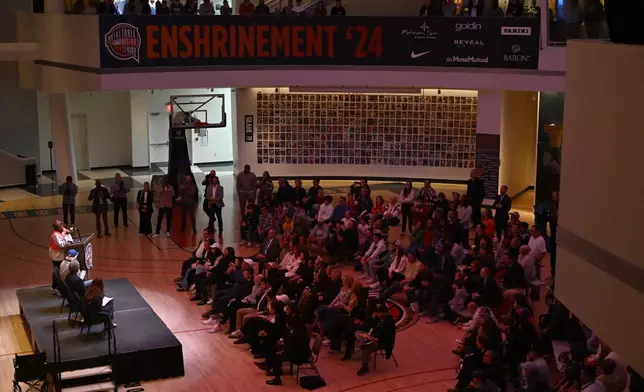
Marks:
<point>415,55</point>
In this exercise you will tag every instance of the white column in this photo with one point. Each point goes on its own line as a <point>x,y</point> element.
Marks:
<point>54,6</point>
<point>61,135</point>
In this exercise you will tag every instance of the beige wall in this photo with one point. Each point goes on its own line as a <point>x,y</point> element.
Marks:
<point>601,190</point>
<point>518,140</point>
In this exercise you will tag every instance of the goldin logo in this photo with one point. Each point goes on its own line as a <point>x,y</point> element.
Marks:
<point>123,41</point>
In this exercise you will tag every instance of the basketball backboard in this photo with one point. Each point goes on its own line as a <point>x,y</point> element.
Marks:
<point>198,111</point>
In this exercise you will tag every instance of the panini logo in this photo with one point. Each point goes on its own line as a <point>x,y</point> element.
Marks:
<point>123,41</point>
<point>507,30</point>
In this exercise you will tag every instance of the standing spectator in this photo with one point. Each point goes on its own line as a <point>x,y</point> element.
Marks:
<point>190,8</point>
<point>176,8</point>
<point>118,193</point>
<point>464,212</point>
<point>298,192</point>
<point>146,8</point>
<point>502,206</point>
<point>106,7</point>
<point>264,189</point>
<point>299,9</point>
<point>246,8</point>
<point>407,196</point>
<point>225,9</point>
<point>515,9</point>
<point>69,190</point>
<point>320,9</point>
<point>99,197</point>
<point>246,187</point>
<point>284,192</point>
<point>187,200</point>
<point>265,223</point>
<point>144,200</point>
<point>215,194</point>
<point>338,9</point>
<point>262,8</point>
<point>449,8</point>
<point>131,8</point>
<point>163,9</point>
<point>206,184</point>
<point>537,245</point>
<point>206,8</point>
<point>475,194</point>
<point>165,192</point>
<point>593,17</point>
<point>428,194</point>
<point>492,9</point>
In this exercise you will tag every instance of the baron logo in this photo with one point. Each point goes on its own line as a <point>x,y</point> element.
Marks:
<point>424,33</point>
<point>516,56</point>
<point>511,30</point>
<point>123,41</point>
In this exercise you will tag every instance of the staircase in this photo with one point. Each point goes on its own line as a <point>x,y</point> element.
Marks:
<point>89,379</point>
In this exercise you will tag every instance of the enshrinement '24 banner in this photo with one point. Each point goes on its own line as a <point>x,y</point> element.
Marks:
<point>188,41</point>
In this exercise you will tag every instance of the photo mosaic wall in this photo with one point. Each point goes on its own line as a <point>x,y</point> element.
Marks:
<point>366,129</point>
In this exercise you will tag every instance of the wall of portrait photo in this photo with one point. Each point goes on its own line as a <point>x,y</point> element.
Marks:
<point>343,134</point>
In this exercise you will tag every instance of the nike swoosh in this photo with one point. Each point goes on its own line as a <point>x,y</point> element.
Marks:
<point>415,55</point>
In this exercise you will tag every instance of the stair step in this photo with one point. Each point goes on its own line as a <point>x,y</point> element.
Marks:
<point>100,387</point>
<point>89,372</point>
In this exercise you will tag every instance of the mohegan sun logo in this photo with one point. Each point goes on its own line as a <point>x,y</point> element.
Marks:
<point>123,41</point>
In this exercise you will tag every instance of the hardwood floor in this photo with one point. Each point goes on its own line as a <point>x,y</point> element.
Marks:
<point>212,363</point>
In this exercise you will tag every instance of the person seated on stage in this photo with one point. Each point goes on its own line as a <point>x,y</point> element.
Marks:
<point>63,270</point>
<point>269,251</point>
<point>94,300</point>
<point>74,282</point>
<point>207,238</point>
<point>59,239</point>
<point>381,336</point>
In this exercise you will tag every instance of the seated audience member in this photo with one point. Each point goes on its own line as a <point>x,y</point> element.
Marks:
<point>491,294</point>
<point>609,378</point>
<point>365,203</point>
<point>243,294</point>
<point>417,237</point>
<point>199,267</point>
<point>265,224</point>
<point>264,330</point>
<point>244,314</point>
<point>524,233</point>
<point>457,252</point>
<point>452,229</point>
<point>363,227</point>
<point>339,305</point>
<point>340,210</point>
<point>488,223</point>
<point>250,220</point>
<point>428,194</point>
<point>287,231</point>
<point>291,261</point>
<point>381,336</point>
<point>391,213</point>
<point>481,382</point>
<point>527,262</point>
<point>347,243</point>
<point>325,212</point>
<point>589,381</point>
<point>318,238</point>
<point>375,252</point>
<point>298,193</point>
<point>199,254</point>
<point>533,378</point>
<point>301,224</point>
<point>323,292</point>
<point>352,204</point>
<point>63,270</point>
<point>313,197</point>
<point>284,191</point>
<point>356,188</point>
<point>543,369</point>
<point>441,205</point>
<point>269,251</point>
<point>96,310</point>
<point>440,290</point>
<point>214,275</point>
<point>513,277</point>
<point>296,348</point>
<point>378,208</point>
<point>403,281</point>
<point>459,300</point>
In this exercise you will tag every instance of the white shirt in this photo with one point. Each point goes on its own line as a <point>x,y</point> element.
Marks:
<point>458,254</point>
<point>594,386</point>
<point>375,250</point>
<point>537,247</point>
<point>325,212</point>
<point>407,199</point>
<point>392,210</point>
<point>399,265</point>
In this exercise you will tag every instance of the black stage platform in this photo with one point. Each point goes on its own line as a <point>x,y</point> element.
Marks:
<point>145,347</point>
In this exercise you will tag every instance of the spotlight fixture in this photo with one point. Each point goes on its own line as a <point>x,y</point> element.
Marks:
<point>277,90</point>
<point>439,91</point>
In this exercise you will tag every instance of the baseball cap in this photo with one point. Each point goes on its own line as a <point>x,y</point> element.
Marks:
<point>283,298</point>
<point>72,254</point>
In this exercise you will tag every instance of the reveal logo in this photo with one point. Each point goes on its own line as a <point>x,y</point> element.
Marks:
<point>123,41</point>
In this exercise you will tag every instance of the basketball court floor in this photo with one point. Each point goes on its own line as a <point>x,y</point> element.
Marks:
<point>212,363</point>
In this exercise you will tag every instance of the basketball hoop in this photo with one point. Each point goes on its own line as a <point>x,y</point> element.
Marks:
<point>200,128</point>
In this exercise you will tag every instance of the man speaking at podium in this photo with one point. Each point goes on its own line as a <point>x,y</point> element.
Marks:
<point>59,238</point>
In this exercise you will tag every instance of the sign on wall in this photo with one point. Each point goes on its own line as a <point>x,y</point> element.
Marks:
<point>173,41</point>
<point>248,128</point>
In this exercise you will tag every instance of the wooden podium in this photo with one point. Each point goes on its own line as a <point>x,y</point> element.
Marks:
<point>82,244</point>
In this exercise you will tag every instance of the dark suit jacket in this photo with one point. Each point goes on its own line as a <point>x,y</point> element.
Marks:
<point>139,201</point>
<point>96,194</point>
<point>272,251</point>
<point>492,294</point>
<point>475,191</point>
<point>75,285</point>
<point>502,214</point>
<point>297,345</point>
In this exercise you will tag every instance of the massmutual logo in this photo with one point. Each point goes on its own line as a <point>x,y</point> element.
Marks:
<point>123,42</point>
<point>468,43</point>
<point>467,60</point>
<point>511,30</point>
<point>468,26</point>
<point>424,32</point>
<point>516,56</point>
